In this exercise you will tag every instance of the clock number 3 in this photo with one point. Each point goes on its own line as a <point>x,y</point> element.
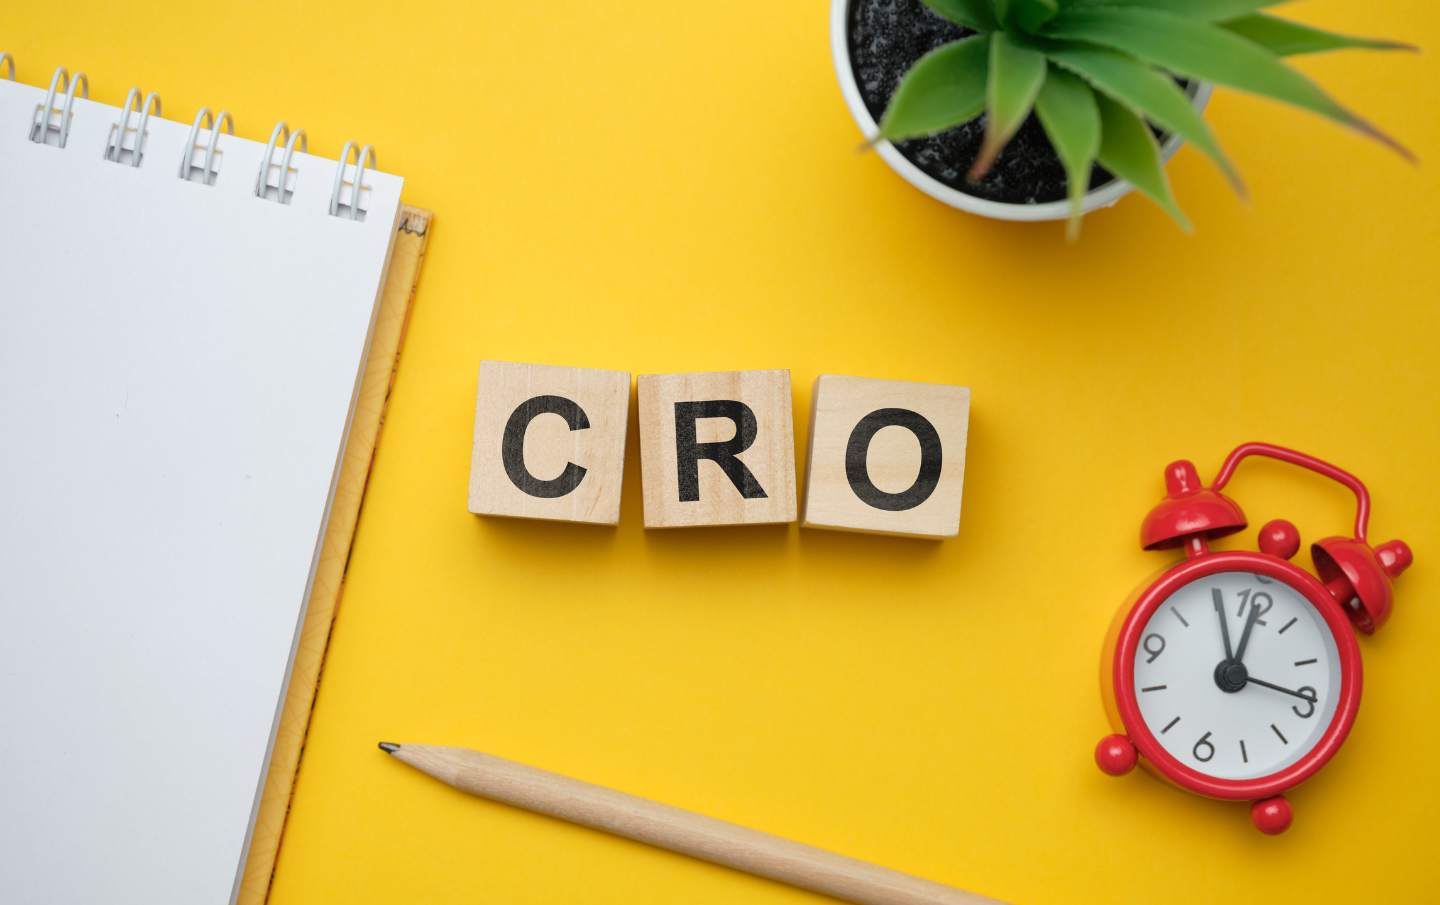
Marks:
<point>1154,649</point>
<point>1203,750</point>
<point>1310,696</point>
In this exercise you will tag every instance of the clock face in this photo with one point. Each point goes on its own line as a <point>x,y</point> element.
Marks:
<point>1237,675</point>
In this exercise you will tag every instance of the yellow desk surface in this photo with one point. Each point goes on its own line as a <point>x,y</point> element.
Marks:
<point>662,186</point>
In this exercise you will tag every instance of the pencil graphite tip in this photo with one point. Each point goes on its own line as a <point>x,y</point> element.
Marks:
<point>389,747</point>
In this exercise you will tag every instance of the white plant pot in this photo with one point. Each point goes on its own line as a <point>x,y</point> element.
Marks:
<point>1104,196</point>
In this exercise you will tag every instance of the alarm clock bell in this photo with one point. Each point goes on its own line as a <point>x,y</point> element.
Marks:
<point>1358,576</point>
<point>1190,512</point>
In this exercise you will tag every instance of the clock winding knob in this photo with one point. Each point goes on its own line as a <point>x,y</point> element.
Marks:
<point>1279,538</point>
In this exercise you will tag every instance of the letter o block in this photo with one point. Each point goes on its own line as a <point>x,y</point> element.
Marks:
<point>886,456</point>
<point>549,442</point>
<point>717,448</point>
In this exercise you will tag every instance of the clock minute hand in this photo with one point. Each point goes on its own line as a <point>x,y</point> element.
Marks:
<point>1219,599</point>
<point>1245,635</point>
<point>1273,687</point>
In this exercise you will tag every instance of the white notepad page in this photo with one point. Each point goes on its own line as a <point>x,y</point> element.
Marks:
<point>178,364</point>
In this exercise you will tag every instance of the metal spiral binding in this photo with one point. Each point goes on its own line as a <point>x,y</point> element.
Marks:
<point>262,177</point>
<point>115,148</point>
<point>367,153</point>
<point>203,120</point>
<point>40,127</point>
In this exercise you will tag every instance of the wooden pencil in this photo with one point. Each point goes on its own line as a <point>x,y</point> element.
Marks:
<point>676,830</point>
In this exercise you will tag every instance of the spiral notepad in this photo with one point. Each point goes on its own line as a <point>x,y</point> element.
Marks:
<point>184,320</point>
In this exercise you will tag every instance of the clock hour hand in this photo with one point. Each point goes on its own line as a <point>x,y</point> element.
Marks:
<point>1298,694</point>
<point>1219,599</point>
<point>1245,635</point>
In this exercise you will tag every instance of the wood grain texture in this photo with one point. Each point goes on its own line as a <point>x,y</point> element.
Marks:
<point>769,458</point>
<point>677,830</point>
<point>549,444</point>
<point>892,456</point>
<point>406,257</point>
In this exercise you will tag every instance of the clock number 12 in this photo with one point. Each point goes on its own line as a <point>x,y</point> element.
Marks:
<point>1257,599</point>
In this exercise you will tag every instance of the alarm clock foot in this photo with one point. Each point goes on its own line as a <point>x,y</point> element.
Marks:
<point>1115,755</point>
<point>1271,816</point>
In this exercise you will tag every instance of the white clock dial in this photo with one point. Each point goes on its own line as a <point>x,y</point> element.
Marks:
<point>1231,713</point>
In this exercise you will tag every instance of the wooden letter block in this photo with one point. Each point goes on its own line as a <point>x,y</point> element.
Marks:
<point>717,448</point>
<point>549,442</point>
<point>886,456</point>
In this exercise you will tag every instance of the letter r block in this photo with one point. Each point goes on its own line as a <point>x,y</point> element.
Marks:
<point>717,448</point>
<point>549,442</point>
<point>886,456</point>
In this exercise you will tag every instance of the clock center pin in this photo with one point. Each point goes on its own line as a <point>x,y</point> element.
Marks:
<point>1231,676</point>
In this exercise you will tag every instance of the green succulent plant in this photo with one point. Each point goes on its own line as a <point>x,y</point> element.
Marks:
<point>1099,73</point>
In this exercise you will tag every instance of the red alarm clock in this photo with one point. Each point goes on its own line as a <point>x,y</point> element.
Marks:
<point>1237,675</point>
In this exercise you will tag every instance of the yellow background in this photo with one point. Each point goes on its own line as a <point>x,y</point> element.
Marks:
<point>670,186</point>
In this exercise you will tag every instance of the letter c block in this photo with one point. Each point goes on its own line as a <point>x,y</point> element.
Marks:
<point>886,456</point>
<point>549,442</point>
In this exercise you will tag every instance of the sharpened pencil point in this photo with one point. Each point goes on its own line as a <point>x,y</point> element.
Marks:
<point>389,747</point>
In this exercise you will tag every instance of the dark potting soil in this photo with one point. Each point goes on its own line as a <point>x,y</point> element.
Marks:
<point>886,38</point>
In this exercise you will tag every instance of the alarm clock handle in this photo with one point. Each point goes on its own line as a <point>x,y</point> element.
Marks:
<point>1319,466</point>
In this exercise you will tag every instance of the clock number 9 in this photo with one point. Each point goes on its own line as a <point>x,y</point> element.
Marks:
<point>1154,650</point>
<point>1205,744</point>
<point>1311,696</point>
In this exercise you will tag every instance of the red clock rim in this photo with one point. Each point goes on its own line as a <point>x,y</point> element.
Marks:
<point>1124,679</point>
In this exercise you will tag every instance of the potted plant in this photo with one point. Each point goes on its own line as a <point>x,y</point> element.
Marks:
<point>1042,109</point>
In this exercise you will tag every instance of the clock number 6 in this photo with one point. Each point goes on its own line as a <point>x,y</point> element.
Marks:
<point>1311,696</point>
<point>1209,749</point>
<point>1154,650</point>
